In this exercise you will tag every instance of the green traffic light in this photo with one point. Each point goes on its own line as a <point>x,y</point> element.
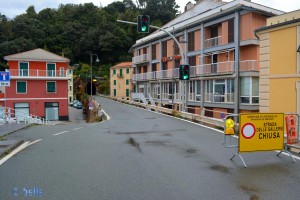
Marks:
<point>144,28</point>
<point>185,77</point>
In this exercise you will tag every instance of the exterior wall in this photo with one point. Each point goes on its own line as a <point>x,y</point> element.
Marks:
<point>283,53</point>
<point>225,32</point>
<point>14,65</point>
<point>197,40</point>
<point>283,18</point>
<point>170,48</point>
<point>250,22</point>
<point>70,84</point>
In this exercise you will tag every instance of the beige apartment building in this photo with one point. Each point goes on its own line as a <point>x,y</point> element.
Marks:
<point>121,80</point>
<point>218,42</point>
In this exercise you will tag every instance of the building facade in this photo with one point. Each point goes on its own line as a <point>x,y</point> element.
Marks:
<point>218,42</point>
<point>121,80</point>
<point>280,64</point>
<point>38,84</point>
<point>70,84</point>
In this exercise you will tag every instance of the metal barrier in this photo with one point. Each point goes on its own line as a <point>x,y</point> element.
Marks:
<point>259,129</point>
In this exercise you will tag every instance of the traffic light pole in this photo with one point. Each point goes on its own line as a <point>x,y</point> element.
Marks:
<point>183,88</point>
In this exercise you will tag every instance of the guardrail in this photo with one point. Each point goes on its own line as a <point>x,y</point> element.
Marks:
<point>217,123</point>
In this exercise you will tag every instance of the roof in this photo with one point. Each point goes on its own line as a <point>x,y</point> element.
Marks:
<point>122,65</point>
<point>205,11</point>
<point>36,55</point>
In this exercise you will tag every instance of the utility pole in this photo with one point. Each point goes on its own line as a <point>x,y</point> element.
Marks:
<point>183,91</point>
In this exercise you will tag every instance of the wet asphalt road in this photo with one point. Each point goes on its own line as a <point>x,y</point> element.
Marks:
<point>141,155</point>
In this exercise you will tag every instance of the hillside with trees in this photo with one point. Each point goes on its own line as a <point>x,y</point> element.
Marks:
<point>76,30</point>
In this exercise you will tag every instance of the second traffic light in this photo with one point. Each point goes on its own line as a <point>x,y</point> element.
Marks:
<point>184,72</point>
<point>143,22</point>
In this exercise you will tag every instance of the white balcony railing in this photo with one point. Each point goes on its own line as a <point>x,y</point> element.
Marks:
<point>219,98</point>
<point>220,68</point>
<point>37,73</point>
<point>212,42</point>
<point>140,59</point>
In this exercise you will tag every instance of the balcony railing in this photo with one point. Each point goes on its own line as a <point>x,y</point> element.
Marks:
<point>37,73</point>
<point>249,65</point>
<point>140,59</point>
<point>219,98</point>
<point>212,42</point>
<point>220,68</point>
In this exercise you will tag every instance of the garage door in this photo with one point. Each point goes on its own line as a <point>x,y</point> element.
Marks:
<point>21,111</point>
<point>51,110</point>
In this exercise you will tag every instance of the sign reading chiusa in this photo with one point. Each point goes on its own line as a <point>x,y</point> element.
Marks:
<point>261,132</point>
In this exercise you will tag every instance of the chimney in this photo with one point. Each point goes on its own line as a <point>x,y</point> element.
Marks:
<point>188,6</point>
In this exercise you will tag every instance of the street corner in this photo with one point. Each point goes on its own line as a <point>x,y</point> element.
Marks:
<point>7,146</point>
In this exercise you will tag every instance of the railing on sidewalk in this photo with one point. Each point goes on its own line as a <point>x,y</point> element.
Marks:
<point>8,115</point>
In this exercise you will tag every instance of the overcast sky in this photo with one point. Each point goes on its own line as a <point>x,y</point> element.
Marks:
<point>11,8</point>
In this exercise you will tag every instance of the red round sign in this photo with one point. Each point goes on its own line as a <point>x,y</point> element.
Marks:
<point>248,130</point>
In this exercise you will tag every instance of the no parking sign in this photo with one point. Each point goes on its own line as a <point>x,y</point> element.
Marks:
<point>261,132</point>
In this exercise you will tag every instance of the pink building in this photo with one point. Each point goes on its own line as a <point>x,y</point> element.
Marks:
<point>38,84</point>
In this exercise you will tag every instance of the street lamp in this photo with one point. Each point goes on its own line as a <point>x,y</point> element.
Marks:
<point>97,60</point>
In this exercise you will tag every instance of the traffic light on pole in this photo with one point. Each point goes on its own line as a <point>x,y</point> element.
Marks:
<point>184,72</point>
<point>143,24</point>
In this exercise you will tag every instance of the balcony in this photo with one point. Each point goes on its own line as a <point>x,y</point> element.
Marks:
<point>212,42</point>
<point>38,74</point>
<point>213,69</point>
<point>140,59</point>
<point>249,65</point>
<point>219,98</point>
<point>220,68</point>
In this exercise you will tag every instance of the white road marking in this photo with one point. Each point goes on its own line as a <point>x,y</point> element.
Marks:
<point>60,133</point>
<point>77,128</point>
<point>93,125</point>
<point>17,150</point>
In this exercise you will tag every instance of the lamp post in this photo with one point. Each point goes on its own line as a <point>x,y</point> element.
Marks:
<point>97,60</point>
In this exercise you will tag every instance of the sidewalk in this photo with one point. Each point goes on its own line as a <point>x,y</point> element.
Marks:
<point>7,146</point>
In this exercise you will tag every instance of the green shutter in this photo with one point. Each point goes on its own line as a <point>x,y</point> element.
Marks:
<point>21,87</point>
<point>115,92</point>
<point>23,69</point>
<point>51,69</point>
<point>114,71</point>
<point>121,72</point>
<point>127,70</point>
<point>127,82</point>
<point>51,87</point>
<point>115,82</point>
<point>127,92</point>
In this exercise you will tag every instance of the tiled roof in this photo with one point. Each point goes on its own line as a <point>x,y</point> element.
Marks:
<point>37,55</point>
<point>122,65</point>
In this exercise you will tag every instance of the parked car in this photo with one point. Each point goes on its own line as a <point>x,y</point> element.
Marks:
<point>73,102</point>
<point>78,105</point>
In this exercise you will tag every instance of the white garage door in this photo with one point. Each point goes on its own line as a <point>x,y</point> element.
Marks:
<point>21,111</point>
<point>51,110</point>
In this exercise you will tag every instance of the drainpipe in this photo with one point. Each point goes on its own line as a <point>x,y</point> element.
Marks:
<point>237,62</point>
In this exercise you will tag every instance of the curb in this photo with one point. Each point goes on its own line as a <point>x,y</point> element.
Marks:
<point>9,149</point>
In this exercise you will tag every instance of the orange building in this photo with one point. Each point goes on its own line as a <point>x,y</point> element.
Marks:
<point>218,42</point>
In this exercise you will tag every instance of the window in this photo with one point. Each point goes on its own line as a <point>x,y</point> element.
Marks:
<point>154,52</point>
<point>231,30</point>
<point>115,82</point>
<point>192,61</point>
<point>127,82</point>
<point>121,72</point>
<point>191,41</point>
<point>249,90</point>
<point>70,88</point>
<point>191,96</point>
<point>21,87</point>
<point>198,90</point>
<point>115,92</point>
<point>114,71</point>
<point>127,70</point>
<point>24,68</point>
<point>50,69</point>
<point>164,49</point>
<point>127,92</point>
<point>51,87</point>
<point>62,72</point>
<point>176,48</point>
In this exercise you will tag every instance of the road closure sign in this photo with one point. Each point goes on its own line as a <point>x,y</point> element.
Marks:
<point>261,132</point>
